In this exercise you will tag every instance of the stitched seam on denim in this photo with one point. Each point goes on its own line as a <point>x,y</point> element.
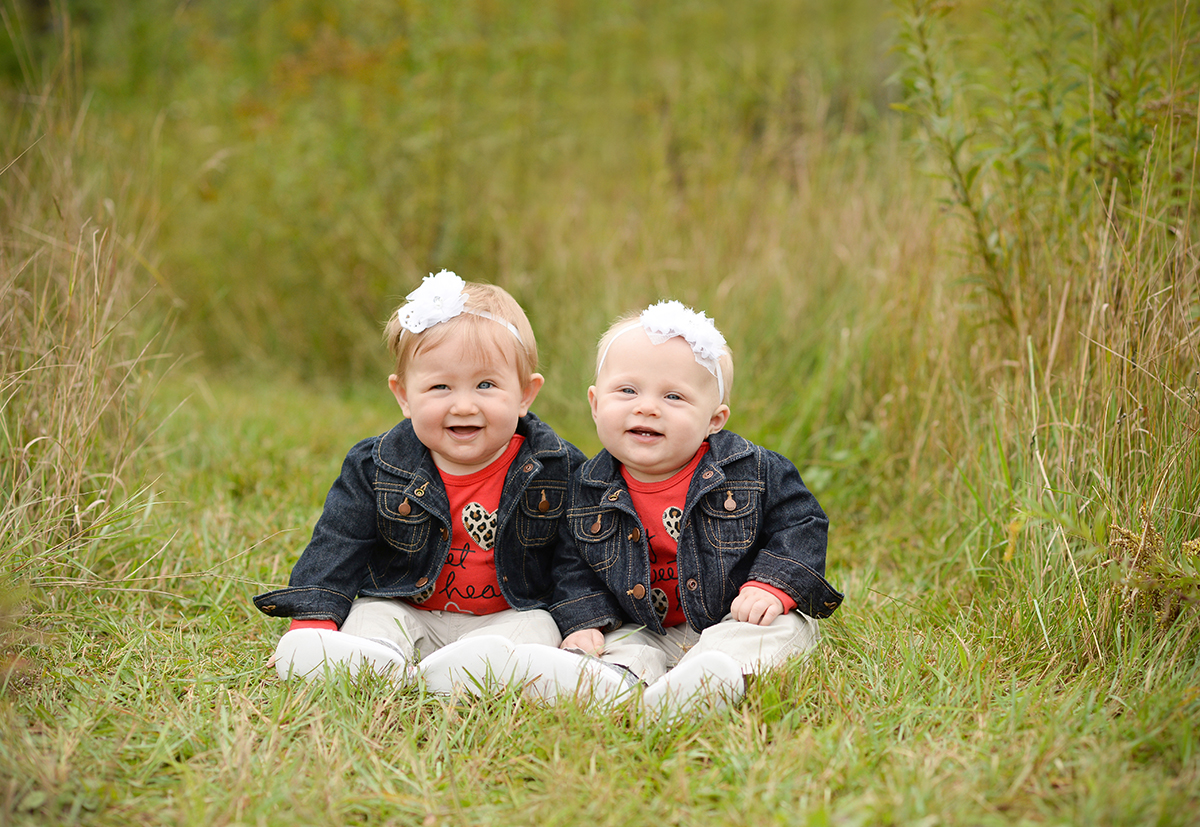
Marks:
<point>418,530</point>
<point>293,590</point>
<point>807,569</point>
<point>743,541</point>
<point>528,517</point>
<point>741,448</point>
<point>526,522</point>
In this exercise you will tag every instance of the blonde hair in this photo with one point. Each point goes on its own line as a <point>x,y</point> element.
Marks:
<point>483,335</point>
<point>633,319</point>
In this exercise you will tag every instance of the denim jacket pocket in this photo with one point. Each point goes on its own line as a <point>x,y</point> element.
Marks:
<point>596,537</point>
<point>541,508</point>
<point>729,517</point>
<point>403,524</point>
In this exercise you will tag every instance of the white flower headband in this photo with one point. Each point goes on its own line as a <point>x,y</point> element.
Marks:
<point>669,319</point>
<point>439,299</point>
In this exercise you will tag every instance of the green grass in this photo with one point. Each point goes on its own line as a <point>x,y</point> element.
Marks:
<point>158,705</point>
<point>971,324</point>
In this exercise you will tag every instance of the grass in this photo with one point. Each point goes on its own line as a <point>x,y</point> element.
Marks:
<point>158,706</point>
<point>987,375</point>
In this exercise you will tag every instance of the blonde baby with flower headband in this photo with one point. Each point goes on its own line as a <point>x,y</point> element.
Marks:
<point>431,559</point>
<point>691,557</point>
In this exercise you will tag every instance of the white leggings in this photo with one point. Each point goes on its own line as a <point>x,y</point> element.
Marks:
<point>419,631</point>
<point>649,655</point>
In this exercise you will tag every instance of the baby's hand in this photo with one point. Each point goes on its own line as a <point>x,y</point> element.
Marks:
<point>757,606</point>
<point>590,641</point>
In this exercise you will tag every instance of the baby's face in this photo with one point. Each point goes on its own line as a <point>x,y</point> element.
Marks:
<point>654,404</point>
<point>464,404</point>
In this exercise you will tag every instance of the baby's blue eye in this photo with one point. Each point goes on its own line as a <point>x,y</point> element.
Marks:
<point>674,397</point>
<point>485,385</point>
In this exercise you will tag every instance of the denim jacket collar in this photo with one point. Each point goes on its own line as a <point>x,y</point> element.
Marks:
<point>603,470</point>
<point>400,454</point>
<point>395,449</point>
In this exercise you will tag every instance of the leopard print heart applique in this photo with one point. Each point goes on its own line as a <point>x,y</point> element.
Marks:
<point>658,599</point>
<point>480,524</point>
<point>671,519</point>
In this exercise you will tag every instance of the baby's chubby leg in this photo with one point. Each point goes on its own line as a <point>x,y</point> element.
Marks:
<point>646,654</point>
<point>479,655</point>
<point>378,634</point>
<point>607,680</point>
<point>712,672</point>
<point>758,648</point>
<point>710,680</point>
<point>548,674</point>
<point>530,626</point>
<point>311,653</point>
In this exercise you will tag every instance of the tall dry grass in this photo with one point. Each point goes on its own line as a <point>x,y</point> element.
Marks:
<point>1068,144</point>
<point>78,358</point>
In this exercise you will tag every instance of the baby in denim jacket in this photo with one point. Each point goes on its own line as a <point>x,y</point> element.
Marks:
<point>437,537</point>
<point>691,557</point>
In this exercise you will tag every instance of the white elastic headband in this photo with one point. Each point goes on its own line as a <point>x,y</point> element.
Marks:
<point>440,298</point>
<point>669,319</point>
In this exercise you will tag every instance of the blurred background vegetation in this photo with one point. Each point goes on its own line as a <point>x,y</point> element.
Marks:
<point>310,161</point>
<point>953,246</point>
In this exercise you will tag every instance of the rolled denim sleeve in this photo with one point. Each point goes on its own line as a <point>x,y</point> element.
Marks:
<point>330,571</point>
<point>795,533</point>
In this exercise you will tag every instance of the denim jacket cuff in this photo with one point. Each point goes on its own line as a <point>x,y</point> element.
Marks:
<point>305,603</point>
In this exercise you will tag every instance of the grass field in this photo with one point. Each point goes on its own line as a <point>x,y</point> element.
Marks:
<point>965,301</point>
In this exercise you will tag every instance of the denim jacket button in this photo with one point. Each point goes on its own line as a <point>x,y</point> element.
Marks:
<point>422,582</point>
<point>707,474</point>
<point>692,584</point>
<point>445,533</point>
<point>635,535</point>
<point>528,467</point>
<point>638,591</point>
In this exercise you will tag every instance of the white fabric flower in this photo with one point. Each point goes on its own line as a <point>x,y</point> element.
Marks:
<point>439,299</point>
<point>668,319</point>
<point>671,318</point>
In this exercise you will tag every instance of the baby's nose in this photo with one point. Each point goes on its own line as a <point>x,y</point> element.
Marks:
<point>463,403</point>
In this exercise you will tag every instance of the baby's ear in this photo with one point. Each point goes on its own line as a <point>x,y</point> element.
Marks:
<point>536,380</point>
<point>719,418</point>
<point>398,391</point>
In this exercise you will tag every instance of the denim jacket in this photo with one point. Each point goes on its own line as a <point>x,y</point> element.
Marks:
<point>385,530</point>
<point>747,516</point>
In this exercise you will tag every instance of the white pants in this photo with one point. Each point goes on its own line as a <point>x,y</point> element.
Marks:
<point>649,655</point>
<point>419,632</point>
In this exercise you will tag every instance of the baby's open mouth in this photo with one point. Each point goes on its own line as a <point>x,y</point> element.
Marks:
<point>464,430</point>
<point>643,432</point>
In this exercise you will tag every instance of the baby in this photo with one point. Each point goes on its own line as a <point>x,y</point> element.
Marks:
<point>437,537</point>
<point>691,557</point>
